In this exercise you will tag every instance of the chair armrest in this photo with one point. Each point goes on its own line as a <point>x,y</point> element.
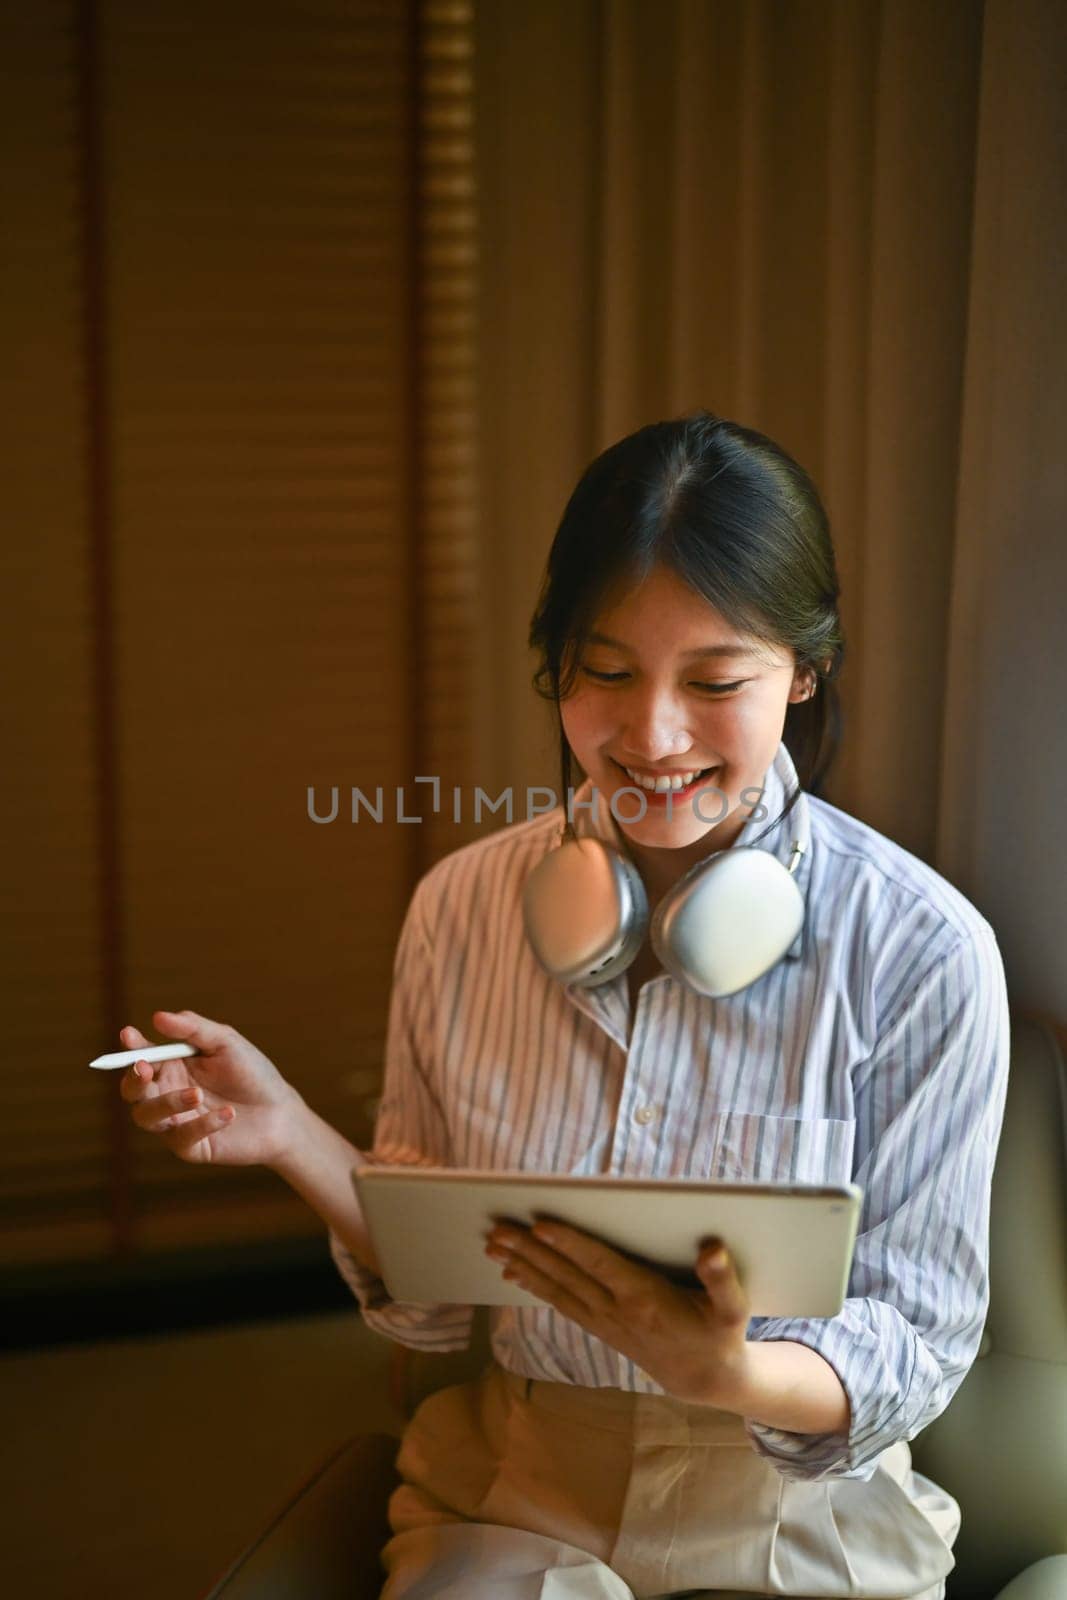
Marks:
<point>324,1542</point>
<point>1045,1580</point>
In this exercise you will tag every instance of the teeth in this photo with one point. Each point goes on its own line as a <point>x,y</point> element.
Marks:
<point>676,780</point>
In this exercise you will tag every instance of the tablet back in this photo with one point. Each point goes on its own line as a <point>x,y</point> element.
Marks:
<point>792,1243</point>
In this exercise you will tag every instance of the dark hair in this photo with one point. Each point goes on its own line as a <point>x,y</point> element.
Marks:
<point>736,518</point>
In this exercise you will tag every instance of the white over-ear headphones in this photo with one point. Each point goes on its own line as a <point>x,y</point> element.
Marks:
<point>726,922</point>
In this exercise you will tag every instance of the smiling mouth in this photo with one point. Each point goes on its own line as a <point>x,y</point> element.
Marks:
<point>660,795</point>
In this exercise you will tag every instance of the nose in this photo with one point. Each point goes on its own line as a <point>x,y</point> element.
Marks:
<point>655,726</point>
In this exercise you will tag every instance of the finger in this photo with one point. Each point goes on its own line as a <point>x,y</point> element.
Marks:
<point>138,1073</point>
<point>162,1112</point>
<point>717,1271</point>
<point>132,1084</point>
<point>137,1079</point>
<point>198,1127</point>
<point>551,1266</point>
<point>618,1276</point>
<point>522,1271</point>
<point>207,1035</point>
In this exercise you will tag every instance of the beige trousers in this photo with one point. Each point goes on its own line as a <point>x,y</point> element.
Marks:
<point>514,1489</point>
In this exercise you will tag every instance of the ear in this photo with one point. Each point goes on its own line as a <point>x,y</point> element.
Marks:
<point>804,685</point>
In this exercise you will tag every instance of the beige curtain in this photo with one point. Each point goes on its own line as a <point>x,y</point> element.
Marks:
<point>840,224</point>
<point>1003,796</point>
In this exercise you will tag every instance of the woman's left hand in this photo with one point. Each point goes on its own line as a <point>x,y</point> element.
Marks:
<point>689,1341</point>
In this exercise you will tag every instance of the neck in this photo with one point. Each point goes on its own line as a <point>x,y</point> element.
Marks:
<point>661,866</point>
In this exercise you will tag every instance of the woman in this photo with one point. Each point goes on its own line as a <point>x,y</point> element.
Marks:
<point>634,1438</point>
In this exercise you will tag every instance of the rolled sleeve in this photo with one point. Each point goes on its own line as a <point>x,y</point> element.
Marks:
<point>422,1327</point>
<point>410,1130</point>
<point>929,1108</point>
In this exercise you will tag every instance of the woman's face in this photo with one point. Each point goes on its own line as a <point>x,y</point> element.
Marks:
<point>666,686</point>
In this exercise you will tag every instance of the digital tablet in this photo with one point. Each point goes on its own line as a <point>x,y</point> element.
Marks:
<point>792,1243</point>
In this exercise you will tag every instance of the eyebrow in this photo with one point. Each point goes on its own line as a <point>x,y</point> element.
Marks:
<point>687,655</point>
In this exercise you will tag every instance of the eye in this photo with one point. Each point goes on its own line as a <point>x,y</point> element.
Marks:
<point>619,677</point>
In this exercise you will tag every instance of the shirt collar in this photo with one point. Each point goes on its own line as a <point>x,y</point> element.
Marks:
<point>779,782</point>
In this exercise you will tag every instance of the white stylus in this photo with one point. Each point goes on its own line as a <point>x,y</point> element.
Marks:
<point>152,1052</point>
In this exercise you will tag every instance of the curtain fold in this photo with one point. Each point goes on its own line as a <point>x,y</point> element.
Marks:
<point>770,210</point>
<point>1003,770</point>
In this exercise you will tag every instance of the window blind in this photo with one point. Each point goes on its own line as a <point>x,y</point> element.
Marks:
<point>241,559</point>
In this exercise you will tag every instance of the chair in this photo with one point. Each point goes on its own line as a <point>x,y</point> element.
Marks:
<point>1000,1447</point>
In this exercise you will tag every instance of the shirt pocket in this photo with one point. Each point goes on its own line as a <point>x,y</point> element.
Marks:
<point>747,1147</point>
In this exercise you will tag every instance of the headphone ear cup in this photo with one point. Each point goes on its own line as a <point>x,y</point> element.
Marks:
<point>728,921</point>
<point>633,921</point>
<point>585,912</point>
<point>665,914</point>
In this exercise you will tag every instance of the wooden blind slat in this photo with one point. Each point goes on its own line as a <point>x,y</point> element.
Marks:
<point>268,307</point>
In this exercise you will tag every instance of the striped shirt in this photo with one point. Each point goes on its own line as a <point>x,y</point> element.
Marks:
<point>875,1051</point>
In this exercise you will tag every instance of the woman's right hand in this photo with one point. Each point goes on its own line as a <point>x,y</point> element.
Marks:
<point>229,1104</point>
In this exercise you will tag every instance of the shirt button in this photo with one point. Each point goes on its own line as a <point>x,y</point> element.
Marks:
<point>645,1115</point>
